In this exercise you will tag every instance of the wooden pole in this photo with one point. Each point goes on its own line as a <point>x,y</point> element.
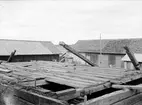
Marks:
<point>11,56</point>
<point>133,87</point>
<point>132,58</point>
<point>100,51</point>
<point>77,54</point>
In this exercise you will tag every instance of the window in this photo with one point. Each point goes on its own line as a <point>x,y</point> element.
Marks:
<point>111,60</point>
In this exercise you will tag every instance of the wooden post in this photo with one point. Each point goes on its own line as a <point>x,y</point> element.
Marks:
<point>132,57</point>
<point>11,56</point>
<point>77,54</point>
<point>85,100</point>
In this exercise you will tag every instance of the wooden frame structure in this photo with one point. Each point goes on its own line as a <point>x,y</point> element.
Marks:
<point>54,83</point>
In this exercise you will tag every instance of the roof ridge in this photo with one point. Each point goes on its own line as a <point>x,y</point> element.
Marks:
<point>24,40</point>
<point>110,39</point>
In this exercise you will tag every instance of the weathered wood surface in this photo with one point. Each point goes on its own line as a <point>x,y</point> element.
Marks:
<point>115,98</point>
<point>133,100</point>
<point>19,96</point>
<point>81,79</point>
<point>75,76</point>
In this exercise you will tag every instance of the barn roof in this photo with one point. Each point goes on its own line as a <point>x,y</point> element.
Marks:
<point>23,47</point>
<point>89,45</point>
<point>109,45</point>
<point>61,49</point>
<point>50,46</point>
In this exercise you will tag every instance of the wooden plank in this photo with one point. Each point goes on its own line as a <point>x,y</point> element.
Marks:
<point>44,90</point>
<point>66,92</point>
<point>135,99</point>
<point>66,82</point>
<point>126,78</point>
<point>77,79</point>
<point>32,83</point>
<point>19,101</point>
<point>67,79</point>
<point>101,72</point>
<point>94,70</point>
<point>84,76</point>
<point>35,98</point>
<point>98,75</point>
<point>85,91</point>
<point>110,99</point>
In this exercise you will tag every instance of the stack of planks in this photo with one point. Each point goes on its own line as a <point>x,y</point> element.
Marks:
<point>78,80</point>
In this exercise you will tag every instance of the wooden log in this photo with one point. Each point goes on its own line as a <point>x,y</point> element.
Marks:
<point>136,87</point>
<point>132,57</point>
<point>11,56</point>
<point>77,54</point>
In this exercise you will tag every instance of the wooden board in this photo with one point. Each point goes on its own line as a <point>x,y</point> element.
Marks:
<point>115,98</point>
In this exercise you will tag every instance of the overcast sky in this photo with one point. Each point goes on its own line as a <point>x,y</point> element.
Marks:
<point>71,20</point>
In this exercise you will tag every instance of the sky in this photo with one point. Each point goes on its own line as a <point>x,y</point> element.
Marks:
<point>71,20</point>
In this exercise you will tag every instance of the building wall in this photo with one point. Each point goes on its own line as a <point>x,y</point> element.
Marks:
<point>20,58</point>
<point>129,66</point>
<point>107,60</point>
<point>103,59</point>
<point>118,62</point>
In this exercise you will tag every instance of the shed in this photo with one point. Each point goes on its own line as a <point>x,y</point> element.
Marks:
<point>127,62</point>
<point>28,50</point>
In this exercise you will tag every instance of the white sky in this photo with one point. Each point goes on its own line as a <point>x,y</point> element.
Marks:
<point>71,20</point>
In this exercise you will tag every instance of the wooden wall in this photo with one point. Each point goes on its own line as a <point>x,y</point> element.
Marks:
<point>20,58</point>
<point>107,60</point>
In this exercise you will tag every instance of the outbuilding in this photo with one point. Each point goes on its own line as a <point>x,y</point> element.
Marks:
<point>28,50</point>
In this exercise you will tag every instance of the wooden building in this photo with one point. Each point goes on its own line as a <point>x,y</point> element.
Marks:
<point>128,64</point>
<point>108,54</point>
<point>28,50</point>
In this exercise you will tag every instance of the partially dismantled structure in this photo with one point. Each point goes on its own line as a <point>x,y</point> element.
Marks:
<point>54,83</point>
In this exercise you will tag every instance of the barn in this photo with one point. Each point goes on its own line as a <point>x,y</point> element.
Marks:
<point>28,50</point>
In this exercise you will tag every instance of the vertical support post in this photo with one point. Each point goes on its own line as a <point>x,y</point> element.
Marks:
<point>100,61</point>
<point>85,100</point>
<point>35,83</point>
